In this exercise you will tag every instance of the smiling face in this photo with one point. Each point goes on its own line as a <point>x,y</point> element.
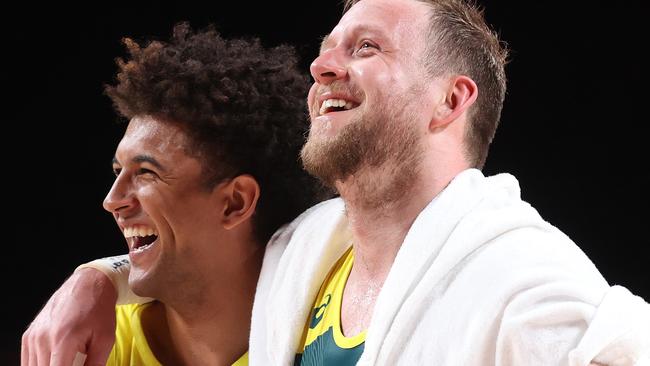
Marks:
<point>371,100</point>
<point>169,218</point>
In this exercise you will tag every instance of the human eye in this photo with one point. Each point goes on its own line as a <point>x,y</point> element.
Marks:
<point>366,48</point>
<point>146,172</point>
<point>117,170</point>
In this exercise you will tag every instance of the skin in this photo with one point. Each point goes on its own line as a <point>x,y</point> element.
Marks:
<point>204,236</point>
<point>60,331</point>
<point>374,51</point>
<point>379,43</point>
<point>369,59</point>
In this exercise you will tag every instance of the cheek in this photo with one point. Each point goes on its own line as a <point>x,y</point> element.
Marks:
<point>154,204</point>
<point>372,70</point>
<point>375,80</point>
<point>311,97</point>
<point>190,210</point>
<point>158,199</point>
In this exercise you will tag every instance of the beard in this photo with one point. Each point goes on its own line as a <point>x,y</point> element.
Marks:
<point>380,150</point>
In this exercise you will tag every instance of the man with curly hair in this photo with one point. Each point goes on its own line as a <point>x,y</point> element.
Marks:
<point>206,171</point>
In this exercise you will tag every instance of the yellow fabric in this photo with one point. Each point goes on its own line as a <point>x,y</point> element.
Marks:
<point>243,360</point>
<point>327,308</point>
<point>131,347</point>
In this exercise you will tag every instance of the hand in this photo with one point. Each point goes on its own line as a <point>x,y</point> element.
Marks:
<point>79,317</point>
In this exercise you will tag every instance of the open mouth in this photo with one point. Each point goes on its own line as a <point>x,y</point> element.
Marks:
<point>140,238</point>
<point>336,105</point>
<point>142,243</point>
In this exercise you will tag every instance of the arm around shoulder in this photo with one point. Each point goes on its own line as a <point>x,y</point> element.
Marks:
<point>79,314</point>
<point>117,270</point>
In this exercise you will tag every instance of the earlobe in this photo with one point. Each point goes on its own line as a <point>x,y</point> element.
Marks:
<point>460,95</point>
<point>241,195</point>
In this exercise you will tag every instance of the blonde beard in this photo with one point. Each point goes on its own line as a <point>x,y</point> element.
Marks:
<point>381,163</point>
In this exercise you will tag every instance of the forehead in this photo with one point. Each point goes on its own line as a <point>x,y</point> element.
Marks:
<point>154,136</point>
<point>399,20</point>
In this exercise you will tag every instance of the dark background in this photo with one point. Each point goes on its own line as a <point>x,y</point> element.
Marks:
<point>573,128</point>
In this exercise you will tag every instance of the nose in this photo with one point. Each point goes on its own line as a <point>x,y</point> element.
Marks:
<point>328,67</point>
<point>120,199</point>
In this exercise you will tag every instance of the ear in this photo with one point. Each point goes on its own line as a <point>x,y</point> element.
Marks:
<point>240,200</point>
<point>460,94</point>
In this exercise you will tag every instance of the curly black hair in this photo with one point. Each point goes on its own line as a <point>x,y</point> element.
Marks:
<point>242,106</point>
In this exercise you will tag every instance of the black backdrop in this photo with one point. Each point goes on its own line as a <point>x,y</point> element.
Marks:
<point>573,129</point>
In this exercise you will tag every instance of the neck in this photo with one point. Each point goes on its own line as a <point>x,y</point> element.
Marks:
<point>211,328</point>
<point>378,230</point>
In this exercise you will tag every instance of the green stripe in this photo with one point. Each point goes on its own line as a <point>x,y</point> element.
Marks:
<point>324,351</point>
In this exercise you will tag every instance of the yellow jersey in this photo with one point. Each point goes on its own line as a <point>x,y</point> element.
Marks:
<point>131,347</point>
<point>323,342</point>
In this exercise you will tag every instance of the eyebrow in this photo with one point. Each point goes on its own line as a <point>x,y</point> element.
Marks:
<point>143,159</point>
<point>323,42</point>
<point>363,28</point>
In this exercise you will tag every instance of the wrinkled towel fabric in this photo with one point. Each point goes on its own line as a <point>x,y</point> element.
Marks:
<point>480,279</point>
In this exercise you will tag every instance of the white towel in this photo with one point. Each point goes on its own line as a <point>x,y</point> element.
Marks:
<point>480,279</point>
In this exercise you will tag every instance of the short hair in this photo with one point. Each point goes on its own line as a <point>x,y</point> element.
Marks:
<point>461,42</point>
<point>242,106</point>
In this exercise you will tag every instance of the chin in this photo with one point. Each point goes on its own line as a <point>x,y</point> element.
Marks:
<point>142,283</point>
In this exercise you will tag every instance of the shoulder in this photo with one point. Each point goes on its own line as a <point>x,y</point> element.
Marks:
<point>322,215</point>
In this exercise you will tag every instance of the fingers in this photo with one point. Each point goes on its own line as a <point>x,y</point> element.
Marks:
<point>39,358</point>
<point>100,348</point>
<point>67,356</point>
<point>33,349</point>
<point>72,322</point>
<point>42,346</point>
<point>79,359</point>
<point>24,350</point>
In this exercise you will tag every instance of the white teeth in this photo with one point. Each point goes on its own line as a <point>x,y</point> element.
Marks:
<point>138,230</point>
<point>327,103</point>
<point>142,248</point>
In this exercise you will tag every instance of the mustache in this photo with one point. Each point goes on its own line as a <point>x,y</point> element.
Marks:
<point>340,87</point>
<point>348,89</point>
